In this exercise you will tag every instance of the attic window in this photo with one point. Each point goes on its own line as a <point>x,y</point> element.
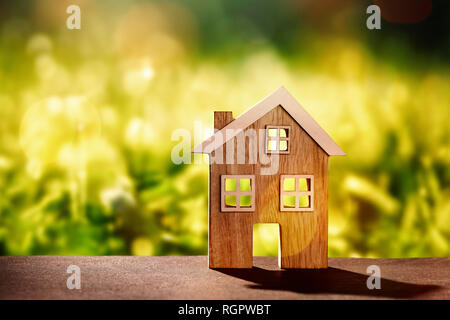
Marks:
<point>237,193</point>
<point>277,139</point>
<point>296,193</point>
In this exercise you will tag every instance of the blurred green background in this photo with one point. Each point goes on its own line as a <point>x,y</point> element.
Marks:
<point>87,117</point>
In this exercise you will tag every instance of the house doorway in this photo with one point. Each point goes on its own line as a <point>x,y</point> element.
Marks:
<point>266,237</point>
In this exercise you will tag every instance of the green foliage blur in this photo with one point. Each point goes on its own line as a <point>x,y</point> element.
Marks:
<point>86,120</point>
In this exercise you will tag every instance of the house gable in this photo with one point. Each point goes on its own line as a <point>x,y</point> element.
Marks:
<point>280,97</point>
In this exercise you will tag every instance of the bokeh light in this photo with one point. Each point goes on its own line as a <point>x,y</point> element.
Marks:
<point>87,117</point>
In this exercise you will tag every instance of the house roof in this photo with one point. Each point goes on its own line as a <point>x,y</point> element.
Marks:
<point>279,97</point>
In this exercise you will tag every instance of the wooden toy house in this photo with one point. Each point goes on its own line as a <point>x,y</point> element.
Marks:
<point>294,194</point>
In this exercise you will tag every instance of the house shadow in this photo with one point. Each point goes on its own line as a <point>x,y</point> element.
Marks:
<point>326,281</point>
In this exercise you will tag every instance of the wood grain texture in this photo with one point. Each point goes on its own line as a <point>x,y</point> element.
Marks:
<point>303,235</point>
<point>222,118</point>
<point>189,278</point>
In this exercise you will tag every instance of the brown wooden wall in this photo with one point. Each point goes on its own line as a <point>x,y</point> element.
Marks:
<point>304,235</point>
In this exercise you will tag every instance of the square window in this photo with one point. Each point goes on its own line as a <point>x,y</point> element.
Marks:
<point>277,139</point>
<point>237,193</point>
<point>303,201</point>
<point>230,201</point>
<point>303,184</point>
<point>289,201</point>
<point>245,201</point>
<point>230,184</point>
<point>244,185</point>
<point>289,184</point>
<point>297,193</point>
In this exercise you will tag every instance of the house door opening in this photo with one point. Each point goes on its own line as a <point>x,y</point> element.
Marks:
<point>266,238</point>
